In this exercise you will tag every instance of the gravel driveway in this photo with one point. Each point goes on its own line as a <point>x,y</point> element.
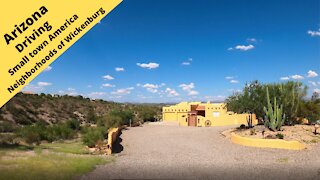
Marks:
<point>167,151</point>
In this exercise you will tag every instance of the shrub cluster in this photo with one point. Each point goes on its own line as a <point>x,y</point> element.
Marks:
<point>148,113</point>
<point>116,118</point>
<point>34,134</point>
<point>280,136</point>
<point>92,135</point>
<point>38,132</point>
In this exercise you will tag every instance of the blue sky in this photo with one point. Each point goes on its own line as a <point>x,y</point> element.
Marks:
<point>172,50</point>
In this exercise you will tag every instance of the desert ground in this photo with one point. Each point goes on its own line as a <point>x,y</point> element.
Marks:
<point>166,151</point>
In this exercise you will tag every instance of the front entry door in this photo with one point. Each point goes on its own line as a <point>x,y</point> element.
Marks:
<point>192,120</point>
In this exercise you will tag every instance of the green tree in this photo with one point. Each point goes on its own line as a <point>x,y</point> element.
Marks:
<point>118,118</point>
<point>310,109</point>
<point>252,98</point>
<point>290,95</point>
<point>148,114</point>
<point>73,124</point>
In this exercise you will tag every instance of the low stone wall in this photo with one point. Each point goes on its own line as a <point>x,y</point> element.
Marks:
<point>266,143</point>
<point>113,134</point>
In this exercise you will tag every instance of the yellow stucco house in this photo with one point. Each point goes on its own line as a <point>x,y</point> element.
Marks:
<point>204,115</point>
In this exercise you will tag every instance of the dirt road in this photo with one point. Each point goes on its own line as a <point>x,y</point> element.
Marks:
<point>167,151</point>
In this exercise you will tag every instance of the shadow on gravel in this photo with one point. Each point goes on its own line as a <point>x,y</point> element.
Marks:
<point>117,147</point>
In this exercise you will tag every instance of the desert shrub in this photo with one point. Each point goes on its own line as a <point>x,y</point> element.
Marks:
<point>310,109</point>
<point>31,134</point>
<point>92,136</point>
<point>38,132</point>
<point>112,121</point>
<point>125,115</point>
<point>148,114</point>
<point>73,124</point>
<point>117,118</point>
<point>242,126</point>
<point>101,121</point>
<point>66,132</point>
<point>91,116</point>
<point>32,137</point>
<point>280,136</point>
<point>59,132</point>
<point>51,134</point>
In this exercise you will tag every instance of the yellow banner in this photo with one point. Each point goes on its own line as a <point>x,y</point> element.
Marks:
<point>35,33</point>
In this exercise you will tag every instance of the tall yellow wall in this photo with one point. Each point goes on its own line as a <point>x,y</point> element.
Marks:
<point>174,113</point>
<point>171,116</point>
<point>183,119</point>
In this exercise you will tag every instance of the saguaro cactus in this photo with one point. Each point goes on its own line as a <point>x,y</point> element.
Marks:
<point>274,117</point>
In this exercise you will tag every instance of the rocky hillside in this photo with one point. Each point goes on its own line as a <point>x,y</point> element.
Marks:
<point>26,109</point>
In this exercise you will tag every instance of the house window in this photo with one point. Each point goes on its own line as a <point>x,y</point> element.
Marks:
<point>186,119</point>
<point>216,114</point>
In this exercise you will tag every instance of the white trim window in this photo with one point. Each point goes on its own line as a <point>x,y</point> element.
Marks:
<point>216,114</point>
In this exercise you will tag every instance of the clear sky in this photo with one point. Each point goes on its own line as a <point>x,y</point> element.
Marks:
<point>174,50</point>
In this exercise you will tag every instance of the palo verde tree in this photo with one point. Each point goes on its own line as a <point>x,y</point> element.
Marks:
<point>250,100</point>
